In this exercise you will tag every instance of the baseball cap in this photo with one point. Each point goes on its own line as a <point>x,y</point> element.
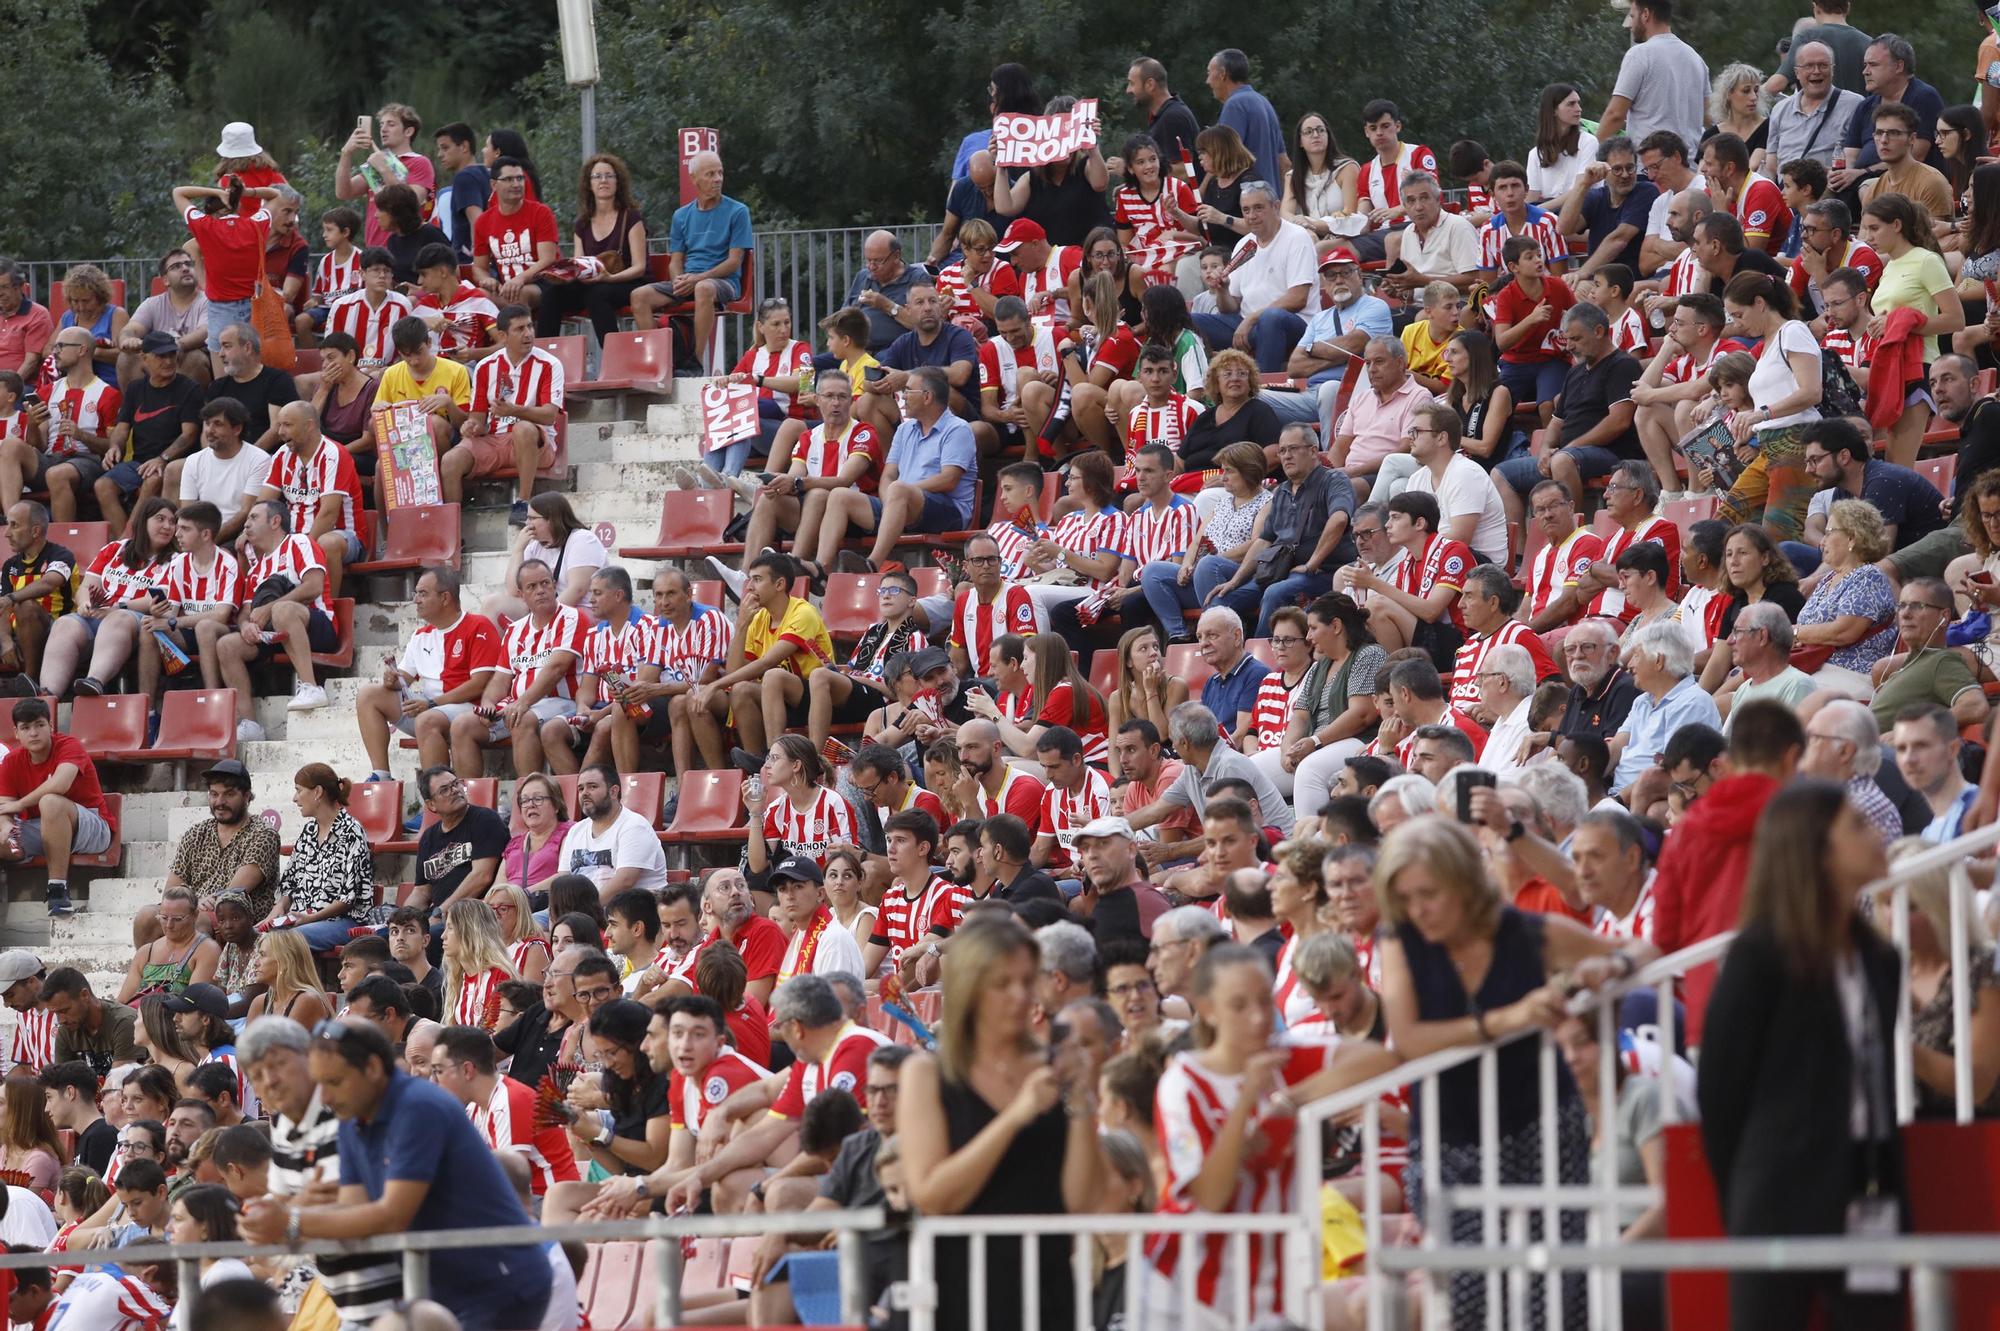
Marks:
<point>160,344</point>
<point>1020,231</point>
<point>798,868</point>
<point>926,659</point>
<point>1098,828</point>
<point>228,769</point>
<point>1339,254</point>
<point>198,998</point>
<point>16,966</point>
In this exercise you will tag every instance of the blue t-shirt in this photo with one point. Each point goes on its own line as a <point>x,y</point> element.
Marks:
<point>1920,97</point>
<point>1233,695</point>
<point>1370,314</point>
<point>1601,217</point>
<point>1250,114</point>
<point>952,344</point>
<point>707,236</point>
<point>1905,498</point>
<point>421,1135</point>
<point>471,187</point>
<point>976,142</point>
<point>918,456</point>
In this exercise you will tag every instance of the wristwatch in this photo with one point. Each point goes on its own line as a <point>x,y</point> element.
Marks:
<point>639,1189</point>
<point>1516,830</point>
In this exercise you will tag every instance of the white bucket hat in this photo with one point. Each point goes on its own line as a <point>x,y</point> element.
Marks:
<point>238,140</point>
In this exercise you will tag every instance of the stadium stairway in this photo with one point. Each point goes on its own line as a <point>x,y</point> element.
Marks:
<point>621,449</point>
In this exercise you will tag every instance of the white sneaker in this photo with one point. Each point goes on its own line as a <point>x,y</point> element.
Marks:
<point>730,577</point>
<point>249,732</point>
<point>684,479</point>
<point>710,478</point>
<point>307,698</point>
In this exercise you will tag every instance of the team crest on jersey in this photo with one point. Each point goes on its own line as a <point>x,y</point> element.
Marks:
<point>1758,218</point>
<point>842,1081</point>
<point>457,650</point>
<point>1454,565</point>
<point>716,1090</point>
<point>1024,614</point>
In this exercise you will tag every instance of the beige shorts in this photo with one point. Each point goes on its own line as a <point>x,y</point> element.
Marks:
<point>495,452</point>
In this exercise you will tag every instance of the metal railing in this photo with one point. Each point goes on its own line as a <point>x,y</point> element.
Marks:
<point>662,1234</point>
<point>1509,1263</point>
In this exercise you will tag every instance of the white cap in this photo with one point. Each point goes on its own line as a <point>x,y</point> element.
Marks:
<point>238,140</point>
<point>1098,828</point>
<point>17,966</point>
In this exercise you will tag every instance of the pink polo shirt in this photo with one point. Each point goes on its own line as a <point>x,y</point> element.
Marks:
<point>24,333</point>
<point>1378,426</point>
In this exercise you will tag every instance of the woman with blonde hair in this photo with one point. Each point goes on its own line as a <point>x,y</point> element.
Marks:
<point>1851,612</point>
<point>475,964</point>
<point>1738,104</point>
<point>1225,164</point>
<point>527,942</point>
<point>1236,414</point>
<point>1461,967</point>
<point>1914,276</point>
<point>1145,690</point>
<point>284,966</point>
<point>1232,509</point>
<point>1931,896</point>
<point>1298,891</point>
<point>983,1124</point>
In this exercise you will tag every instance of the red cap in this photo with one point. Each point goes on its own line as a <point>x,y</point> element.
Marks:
<point>1339,254</point>
<point>1019,232</point>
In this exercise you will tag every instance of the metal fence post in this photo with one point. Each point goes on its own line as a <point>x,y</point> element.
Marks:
<point>853,1252</point>
<point>1931,1298</point>
<point>416,1274</point>
<point>665,1254</point>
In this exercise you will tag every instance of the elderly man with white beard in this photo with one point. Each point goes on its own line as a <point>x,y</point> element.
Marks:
<point>1602,690</point>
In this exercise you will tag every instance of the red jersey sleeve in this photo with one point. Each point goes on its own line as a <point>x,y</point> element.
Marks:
<point>1423,159</point>
<point>482,646</point>
<point>1004,280</point>
<point>104,558</point>
<point>1763,210</point>
<point>1024,800</point>
<point>791,1102</point>
<point>543,226</point>
<point>1057,710</point>
<point>1020,610</point>
<point>763,950</point>
<point>847,1070</point>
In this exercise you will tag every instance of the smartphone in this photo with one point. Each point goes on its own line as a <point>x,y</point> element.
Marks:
<point>1983,578</point>
<point>874,374</point>
<point>365,125</point>
<point>1467,783</point>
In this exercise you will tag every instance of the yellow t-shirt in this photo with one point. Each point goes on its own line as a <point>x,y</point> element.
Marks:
<point>855,370</point>
<point>800,625</point>
<point>449,376</point>
<point>1426,356</point>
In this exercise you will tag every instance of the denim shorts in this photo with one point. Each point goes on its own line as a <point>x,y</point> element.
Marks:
<point>224,314</point>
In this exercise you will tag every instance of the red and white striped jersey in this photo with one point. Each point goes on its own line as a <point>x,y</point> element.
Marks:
<point>825,456</point>
<point>690,1098</point>
<point>536,382</point>
<point>34,1040</point>
<point>1856,353</point>
<point>845,1069</point>
<point>975,623</point>
<point>621,649</point>
<point>1539,226</point>
<point>1190,1107</point>
<point>1093,534</point>
<point>117,584</point>
<point>1151,220</point>
<point>683,653</point>
<point>521,949</point>
<point>1556,567</point>
<point>1156,535</point>
<point>14,425</point>
<point>92,408</point>
<point>1166,424</point>
<point>369,324</point>
<point>902,921</point>
<point>761,362</point>
<point>102,1301</point>
<point>336,277</point>
<point>1050,280</point>
<point>1382,185</point>
<point>507,1121</point>
<point>1014,538</point>
<point>1472,655</point>
<point>478,1001</point>
<point>956,289</point>
<point>1628,332</point>
<point>1271,715</point>
<point>527,649</point>
<point>1295,1005</point>
<point>295,557</point>
<point>1685,275</point>
<point>1683,369</point>
<point>916,797</point>
<point>303,482</point>
<point>1611,601</point>
<point>1443,562</point>
<point>1067,812</point>
<point>1637,924</point>
<point>814,829</point>
<point>1019,794</point>
<point>198,592</point>
<point>468,318</point>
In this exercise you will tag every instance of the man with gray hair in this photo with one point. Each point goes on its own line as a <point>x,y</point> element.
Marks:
<point>1811,122</point>
<point>709,242</point>
<point>1506,683</point>
<point>1661,659</point>
<point>1235,676</point>
<point>1399,799</point>
<point>1270,294</point>
<point>1761,650</point>
<point>1069,965</point>
<point>808,1016</point>
<point>1844,744</point>
<point>1925,668</point>
<point>1380,415</point>
<point>1206,758</point>
<point>1437,246</point>
<point>1592,430</point>
<point>1180,938</point>
<point>261,389</point>
<point>1298,541</point>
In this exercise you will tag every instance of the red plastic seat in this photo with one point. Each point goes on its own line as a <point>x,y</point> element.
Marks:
<point>645,793</point>
<point>1939,471</point>
<point>1684,513</point>
<point>1104,670</point>
<point>691,523</point>
<point>58,300</point>
<point>196,723</point>
<point>568,783</point>
<point>639,361</point>
<point>378,807</point>
<point>416,537</point>
<point>1184,662</point>
<point>111,727</point>
<point>572,352</point>
<point>706,591</point>
<point>309,361</point>
<point>342,655</point>
<point>483,791</point>
<point>615,1291</point>
<point>1260,650</point>
<point>82,539</point>
<point>711,808</point>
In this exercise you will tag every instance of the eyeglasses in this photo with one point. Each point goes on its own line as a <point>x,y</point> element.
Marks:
<point>980,559</point>
<point>1921,605</point>
<point>596,995</point>
<point>533,801</point>
<point>890,1089</point>
<point>1131,990</point>
<point>1286,640</point>
<point>1892,134</point>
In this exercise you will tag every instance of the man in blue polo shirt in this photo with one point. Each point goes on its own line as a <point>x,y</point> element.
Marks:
<point>1249,113</point>
<point>411,1162</point>
<point>708,243</point>
<point>927,482</point>
<point>932,341</point>
<point>1231,691</point>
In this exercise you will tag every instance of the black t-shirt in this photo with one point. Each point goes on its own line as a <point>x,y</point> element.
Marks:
<point>1174,128</point>
<point>1588,395</point>
<point>1978,449</point>
<point>18,572</point>
<point>649,1104</point>
<point>1254,423</point>
<point>156,416</point>
<point>404,249</point>
<point>261,397</point>
<point>94,1146</point>
<point>444,858</point>
<point>1068,211</point>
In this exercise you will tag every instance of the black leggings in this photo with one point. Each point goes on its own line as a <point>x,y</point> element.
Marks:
<point>601,301</point>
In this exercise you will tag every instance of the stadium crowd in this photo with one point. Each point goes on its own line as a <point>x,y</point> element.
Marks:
<point>1304,624</point>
